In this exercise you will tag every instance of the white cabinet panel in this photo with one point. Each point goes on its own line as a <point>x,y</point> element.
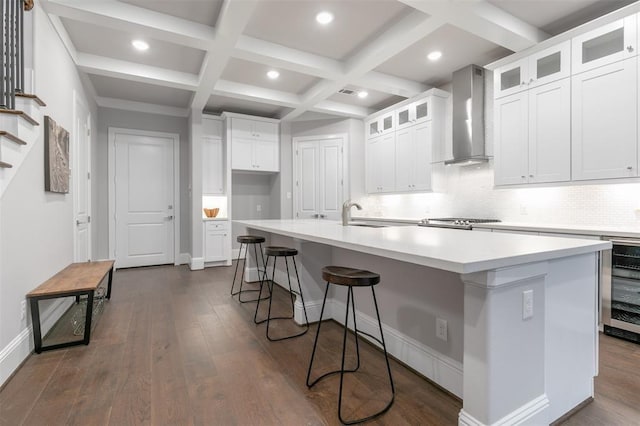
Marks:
<point>242,154</point>
<point>604,122</point>
<point>413,113</point>
<point>216,242</point>
<point>254,145</point>
<point>511,78</point>
<point>550,132</point>
<point>381,125</point>
<point>511,139</point>
<point>610,43</point>
<point>550,65</point>
<point>380,166</point>
<point>413,158</point>
<point>212,166</point>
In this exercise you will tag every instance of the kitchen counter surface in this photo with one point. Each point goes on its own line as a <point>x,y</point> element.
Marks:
<point>448,249</point>
<point>212,219</point>
<point>630,232</point>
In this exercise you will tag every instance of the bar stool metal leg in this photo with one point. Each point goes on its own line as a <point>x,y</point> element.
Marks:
<point>351,307</point>
<point>270,283</point>
<point>240,292</point>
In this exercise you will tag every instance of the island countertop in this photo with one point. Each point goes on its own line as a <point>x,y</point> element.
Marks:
<point>452,250</point>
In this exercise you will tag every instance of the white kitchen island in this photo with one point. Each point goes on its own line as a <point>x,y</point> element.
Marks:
<point>508,366</point>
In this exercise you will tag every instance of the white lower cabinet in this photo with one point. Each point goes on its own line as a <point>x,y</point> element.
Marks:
<point>533,135</point>
<point>380,163</point>
<point>413,158</point>
<point>604,122</point>
<point>216,241</point>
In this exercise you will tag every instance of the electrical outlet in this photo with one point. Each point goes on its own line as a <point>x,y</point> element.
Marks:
<point>23,310</point>
<point>259,207</point>
<point>527,304</point>
<point>441,329</point>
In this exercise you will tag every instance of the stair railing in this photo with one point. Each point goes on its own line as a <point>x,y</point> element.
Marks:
<point>11,51</point>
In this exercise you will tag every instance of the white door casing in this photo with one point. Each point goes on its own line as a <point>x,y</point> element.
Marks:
<point>81,176</point>
<point>320,168</point>
<point>143,197</point>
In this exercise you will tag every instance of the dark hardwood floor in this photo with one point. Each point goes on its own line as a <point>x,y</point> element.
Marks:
<point>173,348</point>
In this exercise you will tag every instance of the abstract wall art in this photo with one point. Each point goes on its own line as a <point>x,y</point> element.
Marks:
<point>56,157</point>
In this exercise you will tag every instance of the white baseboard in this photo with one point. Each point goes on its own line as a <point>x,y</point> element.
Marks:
<point>196,263</point>
<point>184,259</point>
<point>524,414</point>
<point>433,365</point>
<point>14,354</point>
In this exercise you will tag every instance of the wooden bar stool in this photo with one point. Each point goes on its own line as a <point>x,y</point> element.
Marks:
<point>256,242</point>
<point>350,278</point>
<point>275,253</point>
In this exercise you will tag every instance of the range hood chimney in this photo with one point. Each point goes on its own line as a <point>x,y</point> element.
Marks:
<point>468,116</point>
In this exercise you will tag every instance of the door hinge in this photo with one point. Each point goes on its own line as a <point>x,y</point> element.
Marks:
<point>296,152</point>
<point>88,176</point>
<point>297,183</point>
<point>341,150</point>
<point>88,132</point>
<point>88,219</point>
<point>341,182</point>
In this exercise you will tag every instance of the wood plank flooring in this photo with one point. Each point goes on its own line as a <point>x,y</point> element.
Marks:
<point>172,348</point>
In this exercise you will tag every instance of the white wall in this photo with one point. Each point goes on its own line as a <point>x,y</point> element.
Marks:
<point>36,226</point>
<point>108,117</point>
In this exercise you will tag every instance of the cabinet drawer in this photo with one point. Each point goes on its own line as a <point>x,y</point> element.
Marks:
<point>216,226</point>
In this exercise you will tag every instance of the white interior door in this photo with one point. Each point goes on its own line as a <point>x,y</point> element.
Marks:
<point>319,177</point>
<point>144,199</point>
<point>81,182</point>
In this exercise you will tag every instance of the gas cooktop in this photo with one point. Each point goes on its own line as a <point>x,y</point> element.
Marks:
<point>454,222</point>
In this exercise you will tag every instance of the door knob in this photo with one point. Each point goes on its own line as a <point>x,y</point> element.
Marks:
<point>169,217</point>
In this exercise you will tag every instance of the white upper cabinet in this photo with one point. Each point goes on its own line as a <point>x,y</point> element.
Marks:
<point>549,65</point>
<point>413,158</point>
<point>254,145</point>
<point>610,43</point>
<point>380,163</point>
<point>540,68</point>
<point>533,135</point>
<point>604,122</point>
<point>413,113</point>
<point>380,125</point>
<point>212,166</point>
<point>550,132</point>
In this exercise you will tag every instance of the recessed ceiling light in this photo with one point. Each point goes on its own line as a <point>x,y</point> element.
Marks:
<point>363,94</point>
<point>435,55</point>
<point>273,74</point>
<point>324,18</point>
<point>140,45</point>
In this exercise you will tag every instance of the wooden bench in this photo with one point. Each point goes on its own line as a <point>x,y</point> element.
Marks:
<point>77,279</point>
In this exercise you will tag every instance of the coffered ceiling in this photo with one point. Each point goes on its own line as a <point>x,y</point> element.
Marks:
<point>215,54</point>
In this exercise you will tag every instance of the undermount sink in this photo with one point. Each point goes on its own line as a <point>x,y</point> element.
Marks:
<point>366,225</point>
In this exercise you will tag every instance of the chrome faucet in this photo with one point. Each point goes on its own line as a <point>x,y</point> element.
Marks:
<point>346,211</point>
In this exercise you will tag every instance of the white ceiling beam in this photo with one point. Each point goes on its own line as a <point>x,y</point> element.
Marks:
<point>132,71</point>
<point>141,107</point>
<point>233,18</point>
<point>231,89</point>
<point>278,56</point>
<point>403,33</point>
<point>484,20</point>
<point>126,17</point>
<point>386,83</point>
<point>345,110</point>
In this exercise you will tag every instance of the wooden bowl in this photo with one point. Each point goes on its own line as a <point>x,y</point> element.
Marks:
<point>211,212</point>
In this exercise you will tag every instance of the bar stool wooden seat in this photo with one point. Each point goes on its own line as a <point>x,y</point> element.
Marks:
<point>350,277</point>
<point>287,253</point>
<point>245,241</point>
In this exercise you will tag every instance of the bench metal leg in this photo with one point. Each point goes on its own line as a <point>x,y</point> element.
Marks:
<point>87,321</point>
<point>109,283</point>
<point>35,319</point>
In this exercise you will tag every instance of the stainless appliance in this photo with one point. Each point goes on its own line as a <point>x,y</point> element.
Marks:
<point>454,222</point>
<point>468,116</point>
<point>620,289</point>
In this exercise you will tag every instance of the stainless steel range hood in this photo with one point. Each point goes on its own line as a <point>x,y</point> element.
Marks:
<point>468,116</point>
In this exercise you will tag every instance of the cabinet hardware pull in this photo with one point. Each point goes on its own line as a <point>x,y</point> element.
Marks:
<point>523,177</point>
<point>630,49</point>
<point>629,168</point>
<point>169,218</point>
<point>530,176</point>
<point>530,80</point>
